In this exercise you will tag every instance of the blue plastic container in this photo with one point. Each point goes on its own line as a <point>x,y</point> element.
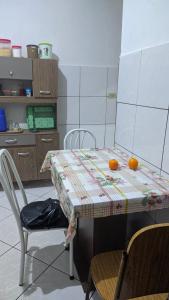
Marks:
<point>3,126</point>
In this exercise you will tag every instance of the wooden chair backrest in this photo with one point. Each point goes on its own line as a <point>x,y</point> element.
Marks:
<point>145,265</point>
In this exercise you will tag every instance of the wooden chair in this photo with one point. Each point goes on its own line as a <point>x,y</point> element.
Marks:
<point>140,271</point>
<point>74,139</point>
<point>8,172</point>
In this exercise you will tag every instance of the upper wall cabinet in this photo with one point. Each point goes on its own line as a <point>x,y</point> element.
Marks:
<point>15,68</point>
<point>45,73</point>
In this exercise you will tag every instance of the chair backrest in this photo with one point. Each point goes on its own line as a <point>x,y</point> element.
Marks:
<point>145,266</point>
<point>75,138</point>
<point>8,173</point>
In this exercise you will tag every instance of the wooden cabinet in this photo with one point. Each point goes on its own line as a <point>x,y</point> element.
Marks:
<point>25,161</point>
<point>15,68</point>
<point>45,142</point>
<point>45,78</point>
<point>29,151</point>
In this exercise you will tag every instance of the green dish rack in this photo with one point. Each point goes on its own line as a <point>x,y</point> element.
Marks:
<point>41,117</point>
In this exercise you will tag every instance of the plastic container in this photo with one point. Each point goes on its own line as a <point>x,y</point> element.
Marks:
<point>28,92</point>
<point>45,50</point>
<point>5,47</point>
<point>16,51</point>
<point>32,51</point>
<point>3,126</point>
<point>41,117</point>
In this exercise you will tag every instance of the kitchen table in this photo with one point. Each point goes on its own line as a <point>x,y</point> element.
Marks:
<point>98,201</point>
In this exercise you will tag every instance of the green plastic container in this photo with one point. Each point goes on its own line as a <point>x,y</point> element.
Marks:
<point>41,117</point>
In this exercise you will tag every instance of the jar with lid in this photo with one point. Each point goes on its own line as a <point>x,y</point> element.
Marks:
<point>45,50</point>
<point>5,47</point>
<point>16,51</point>
<point>32,51</point>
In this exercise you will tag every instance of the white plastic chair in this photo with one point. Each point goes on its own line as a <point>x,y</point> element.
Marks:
<point>7,171</point>
<point>74,139</point>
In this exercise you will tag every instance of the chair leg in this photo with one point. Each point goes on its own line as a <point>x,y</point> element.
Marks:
<point>71,275</point>
<point>22,259</point>
<point>89,286</point>
<point>26,241</point>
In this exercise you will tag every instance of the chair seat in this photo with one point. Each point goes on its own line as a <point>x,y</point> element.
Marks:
<point>104,271</point>
<point>43,215</point>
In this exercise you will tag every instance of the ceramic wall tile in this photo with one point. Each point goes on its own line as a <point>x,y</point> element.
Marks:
<point>125,122</point>
<point>149,134</point>
<point>109,135</point>
<point>68,81</point>
<point>92,110</point>
<point>165,165</point>
<point>154,74</point>
<point>110,111</point>
<point>68,110</point>
<point>63,129</point>
<point>129,77</point>
<point>93,81</point>
<point>112,80</point>
<point>99,132</point>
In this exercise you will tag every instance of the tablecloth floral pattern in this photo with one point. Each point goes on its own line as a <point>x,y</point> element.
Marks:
<point>88,188</point>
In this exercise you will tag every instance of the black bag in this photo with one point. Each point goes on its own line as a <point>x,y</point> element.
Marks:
<point>43,215</point>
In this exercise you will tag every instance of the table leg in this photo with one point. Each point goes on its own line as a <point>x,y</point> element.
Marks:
<point>95,236</point>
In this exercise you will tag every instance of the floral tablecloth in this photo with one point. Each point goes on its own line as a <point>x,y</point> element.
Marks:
<point>88,188</point>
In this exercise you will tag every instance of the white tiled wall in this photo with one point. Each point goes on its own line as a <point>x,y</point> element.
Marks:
<point>125,123</point>
<point>129,77</point>
<point>142,106</point>
<point>85,100</point>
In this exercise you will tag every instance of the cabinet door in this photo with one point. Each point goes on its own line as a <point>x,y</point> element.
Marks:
<point>25,160</point>
<point>45,78</point>
<point>45,143</point>
<point>15,68</point>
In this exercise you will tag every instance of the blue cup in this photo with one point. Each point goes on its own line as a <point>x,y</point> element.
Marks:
<point>3,124</point>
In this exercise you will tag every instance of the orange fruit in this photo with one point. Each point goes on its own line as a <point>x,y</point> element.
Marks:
<point>133,163</point>
<point>113,164</point>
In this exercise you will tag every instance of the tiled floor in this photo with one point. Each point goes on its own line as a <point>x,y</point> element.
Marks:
<point>46,267</point>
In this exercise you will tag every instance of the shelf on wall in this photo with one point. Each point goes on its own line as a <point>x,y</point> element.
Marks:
<point>26,100</point>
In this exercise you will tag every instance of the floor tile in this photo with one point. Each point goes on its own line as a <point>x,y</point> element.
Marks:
<point>51,194</point>
<point>2,193</point>
<point>46,246</point>
<point>9,234</point>
<point>95,296</point>
<point>31,194</point>
<point>38,188</point>
<point>62,264</point>
<point>52,285</point>
<point>3,248</point>
<point>4,213</point>
<point>38,191</point>
<point>4,202</point>
<point>9,274</point>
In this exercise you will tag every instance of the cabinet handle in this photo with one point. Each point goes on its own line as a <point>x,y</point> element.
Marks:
<point>11,73</point>
<point>45,92</point>
<point>23,154</point>
<point>47,140</point>
<point>11,141</point>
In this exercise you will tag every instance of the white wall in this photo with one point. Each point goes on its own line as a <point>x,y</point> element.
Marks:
<point>86,36</point>
<point>84,101</point>
<point>83,32</point>
<point>145,24</point>
<point>142,124</point>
